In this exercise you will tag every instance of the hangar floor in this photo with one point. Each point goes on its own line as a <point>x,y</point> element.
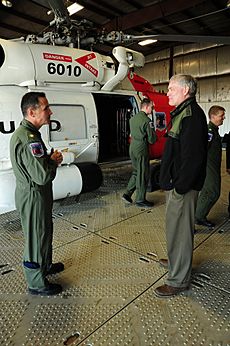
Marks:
<point>111,251</point>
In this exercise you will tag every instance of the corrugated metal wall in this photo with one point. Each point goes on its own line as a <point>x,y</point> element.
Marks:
<point>208,63</point>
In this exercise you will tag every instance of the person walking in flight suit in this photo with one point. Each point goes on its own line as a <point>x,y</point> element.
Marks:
<point>211,189</point>
<point>142,133</point>
<point>182,175</point>
<point>35,170</point>
<point>228,164</point>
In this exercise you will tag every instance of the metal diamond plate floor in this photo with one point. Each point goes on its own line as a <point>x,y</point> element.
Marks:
<point>111,251</point>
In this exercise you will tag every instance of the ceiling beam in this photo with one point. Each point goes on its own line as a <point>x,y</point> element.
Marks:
<point>15,29</point>
<point>149,14</point>
<point>104,5</point>
<point>134,4</point>
<point>25,16</point>
<point>201,25</point>
<point>95,9</point>
<point>168,25</point>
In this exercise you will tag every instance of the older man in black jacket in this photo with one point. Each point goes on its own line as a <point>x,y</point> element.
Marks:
<point>182,175</point>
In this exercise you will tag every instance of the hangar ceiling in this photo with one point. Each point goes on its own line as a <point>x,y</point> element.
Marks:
<point>134,17</point>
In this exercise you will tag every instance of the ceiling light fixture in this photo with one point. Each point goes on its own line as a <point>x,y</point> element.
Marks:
<point>145,42</point>
<point>74,8</point>
<point>7,3</point>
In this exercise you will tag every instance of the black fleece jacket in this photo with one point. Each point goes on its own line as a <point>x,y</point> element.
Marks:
<point>183,164</point>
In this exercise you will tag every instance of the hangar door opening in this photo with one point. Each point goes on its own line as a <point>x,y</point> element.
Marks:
<point>114,112</point>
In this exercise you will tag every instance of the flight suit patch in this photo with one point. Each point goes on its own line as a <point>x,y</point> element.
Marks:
<point>210,136</point>
<point>37,149</point>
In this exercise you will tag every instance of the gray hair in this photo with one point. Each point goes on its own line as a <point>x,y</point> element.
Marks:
<point>186,80</point>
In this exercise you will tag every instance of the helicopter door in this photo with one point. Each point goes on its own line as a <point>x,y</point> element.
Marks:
<point>73,126</point>
<point>114,112</point>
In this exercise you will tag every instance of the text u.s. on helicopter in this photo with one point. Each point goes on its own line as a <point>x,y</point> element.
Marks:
<point>90,121</point>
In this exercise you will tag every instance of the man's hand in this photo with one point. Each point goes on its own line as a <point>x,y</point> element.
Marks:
<point>57,157</point>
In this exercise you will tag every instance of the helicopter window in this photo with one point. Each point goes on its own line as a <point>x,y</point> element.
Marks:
<point>2,56</point>
<point>160,120</point>
<point>68,123</point>
<point>135,107</point>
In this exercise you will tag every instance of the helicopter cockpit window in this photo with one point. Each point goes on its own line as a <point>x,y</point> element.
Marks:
<point>160,120</point>
<point>2,56</point>
<point>135,108</point>
<point>68,122</point>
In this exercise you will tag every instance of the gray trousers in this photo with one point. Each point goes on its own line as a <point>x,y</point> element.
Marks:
<point>180,219</point>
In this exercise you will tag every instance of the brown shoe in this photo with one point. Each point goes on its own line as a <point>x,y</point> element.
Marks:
<point>163,262</point>
<point>166,291</point>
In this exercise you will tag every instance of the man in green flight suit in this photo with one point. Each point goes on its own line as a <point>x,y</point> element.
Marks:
<point>142,133</point>
<point>211,189</point>
<point>35,170</point>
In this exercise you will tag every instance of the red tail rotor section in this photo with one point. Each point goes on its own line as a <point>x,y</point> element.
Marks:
<point>162,112</point>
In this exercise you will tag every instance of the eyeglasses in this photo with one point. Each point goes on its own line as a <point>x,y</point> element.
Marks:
<point>220,115</point>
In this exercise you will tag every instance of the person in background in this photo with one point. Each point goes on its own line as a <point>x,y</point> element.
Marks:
<point>142,133</point>
<point>211,190</point>
<point>182,175</point>
<point>35,170</point>
<point>226,139</point>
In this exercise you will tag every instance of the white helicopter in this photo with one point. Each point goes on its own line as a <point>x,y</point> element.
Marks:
<point>79,85</point>
<point>90,117</point>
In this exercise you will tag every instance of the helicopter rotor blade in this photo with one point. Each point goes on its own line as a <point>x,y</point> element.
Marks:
<point>181,38</point>
<point>60,11</point>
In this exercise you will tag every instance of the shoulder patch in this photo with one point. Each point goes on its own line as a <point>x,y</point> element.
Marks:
<point>210,136</point>
<point>37,149</point>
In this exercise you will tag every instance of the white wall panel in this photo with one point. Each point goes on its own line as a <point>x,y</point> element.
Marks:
<point>164,54</point>
<point>192,47</point>
<point>178,65</point>
<point>191,64</point>
<point>208,63</point>
<point>207,88</point>
<point>223,65</point>
<point>156,72</point>
<point>223,88</point>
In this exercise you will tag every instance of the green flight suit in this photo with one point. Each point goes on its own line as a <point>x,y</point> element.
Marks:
<point>34,172</point>
<point>142,133</point>
<point>211,188</point>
